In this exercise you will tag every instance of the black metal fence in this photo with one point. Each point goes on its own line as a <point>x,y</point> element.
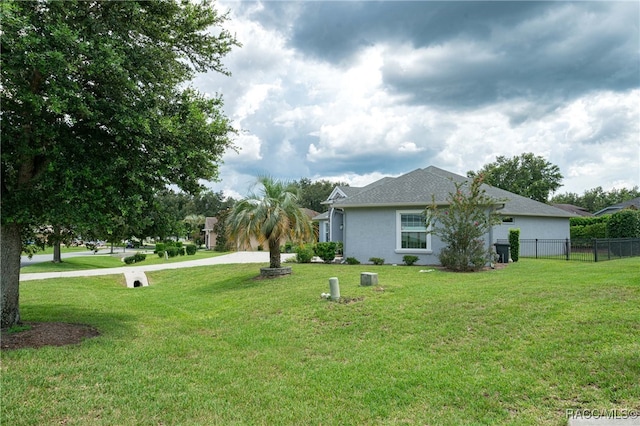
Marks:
<point>593,250</point>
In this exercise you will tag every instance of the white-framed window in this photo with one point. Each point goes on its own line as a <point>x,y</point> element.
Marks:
<point>411,232</point>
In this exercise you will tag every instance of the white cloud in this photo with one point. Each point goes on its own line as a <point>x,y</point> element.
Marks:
<point>249,147</point>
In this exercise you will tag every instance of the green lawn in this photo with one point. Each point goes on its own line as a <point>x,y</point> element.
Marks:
<point>99,261</point>
<point>212,345</point>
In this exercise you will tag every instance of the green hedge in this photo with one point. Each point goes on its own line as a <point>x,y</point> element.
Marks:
<point>588,220</point>
<point>514,243</point>
<point>624,224</point>
<point>597,230</point>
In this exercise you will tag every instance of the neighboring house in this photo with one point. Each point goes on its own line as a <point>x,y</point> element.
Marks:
<point>576,210</point>
<point>384,219</point>
<point>323,226</point>
<point>210,235</point>
<point>630,204</point>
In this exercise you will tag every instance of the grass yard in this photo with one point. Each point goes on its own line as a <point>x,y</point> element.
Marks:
<point>100,261</point>
<point>212,345</point>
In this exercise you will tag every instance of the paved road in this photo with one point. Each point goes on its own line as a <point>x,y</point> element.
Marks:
<point>39,258</point>
<point>237,257</point>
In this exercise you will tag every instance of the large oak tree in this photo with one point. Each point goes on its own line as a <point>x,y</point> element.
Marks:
<point>97,114</point>
<point>527,174</point>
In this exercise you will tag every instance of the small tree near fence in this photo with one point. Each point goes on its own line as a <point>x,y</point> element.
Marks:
<point>514,243</point>
<point>462,226</point>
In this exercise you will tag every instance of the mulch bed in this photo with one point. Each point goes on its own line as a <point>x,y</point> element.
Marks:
<point>47,334</point>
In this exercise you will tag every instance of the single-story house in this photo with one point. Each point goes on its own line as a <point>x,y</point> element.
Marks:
<point>629,204</point>
<point>384,219</point>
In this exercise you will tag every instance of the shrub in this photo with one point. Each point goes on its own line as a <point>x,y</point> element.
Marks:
<point>409,259</point>
<point>161,254</point>
<point>325,251</point>
<point>376,260</point>
<point>191,249</point>
<point>624,224</point>
<point>472,261</point>
<point>304,253</point>
<point>139,257</point>
<point>181,251</point>
<point>287,248</point>
<point>172,251</point>
<point>129,260</point>
<point>352,261</point>
<point>588,220</point>
<point>588,232</point>
<point>159,247</point>
<point>514,242</point>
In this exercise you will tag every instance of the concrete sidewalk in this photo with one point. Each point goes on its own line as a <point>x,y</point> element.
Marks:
<point>237,257</point>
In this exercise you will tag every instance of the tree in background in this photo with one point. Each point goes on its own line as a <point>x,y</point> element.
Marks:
<point>528,175</point>
<point>313,193</point>
<point>463,226</point>
<point>270,215</point>
<point>97,114</point>
<point>194,224</point>
<point>597,198</point>
<point>210,204</point>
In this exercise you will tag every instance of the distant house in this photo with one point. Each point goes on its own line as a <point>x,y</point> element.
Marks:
<point>210,235</point>
<point>630,204</point>
<point>384,219</point>
<point>576,210</point>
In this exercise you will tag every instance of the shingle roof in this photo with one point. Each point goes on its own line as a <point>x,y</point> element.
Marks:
<point>422,186</point>
<point>634,203</point>
<point>580,211</point>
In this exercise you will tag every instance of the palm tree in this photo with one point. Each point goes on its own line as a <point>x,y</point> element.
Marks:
<point>270,216</point>
<point>194,222</point>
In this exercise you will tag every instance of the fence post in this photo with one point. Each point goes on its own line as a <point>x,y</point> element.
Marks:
<point>595,249</point>
<point>567,247</point>
<point>536,248</point>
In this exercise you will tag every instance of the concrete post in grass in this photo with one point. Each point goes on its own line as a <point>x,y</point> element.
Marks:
<point>334,288</point>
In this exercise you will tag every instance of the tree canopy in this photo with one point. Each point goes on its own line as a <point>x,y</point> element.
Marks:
<point>97,114</point>
<point>527,174</point>
<point>596,199</point>
<point>313,193</point>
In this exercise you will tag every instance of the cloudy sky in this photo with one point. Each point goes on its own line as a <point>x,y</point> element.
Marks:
<point>357,90</point>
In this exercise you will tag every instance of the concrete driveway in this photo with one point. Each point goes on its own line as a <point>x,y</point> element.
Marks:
<point>237,257</point>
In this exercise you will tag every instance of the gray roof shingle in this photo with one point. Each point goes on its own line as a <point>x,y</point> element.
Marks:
<point>422,186</point>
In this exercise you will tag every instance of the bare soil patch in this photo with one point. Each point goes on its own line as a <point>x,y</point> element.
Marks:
<point>47,334</point>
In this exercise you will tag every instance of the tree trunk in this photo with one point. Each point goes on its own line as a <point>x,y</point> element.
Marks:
<point>56,239</point>
<point>274,254</point>
<point>10,248</point>
<point>57,257</point>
